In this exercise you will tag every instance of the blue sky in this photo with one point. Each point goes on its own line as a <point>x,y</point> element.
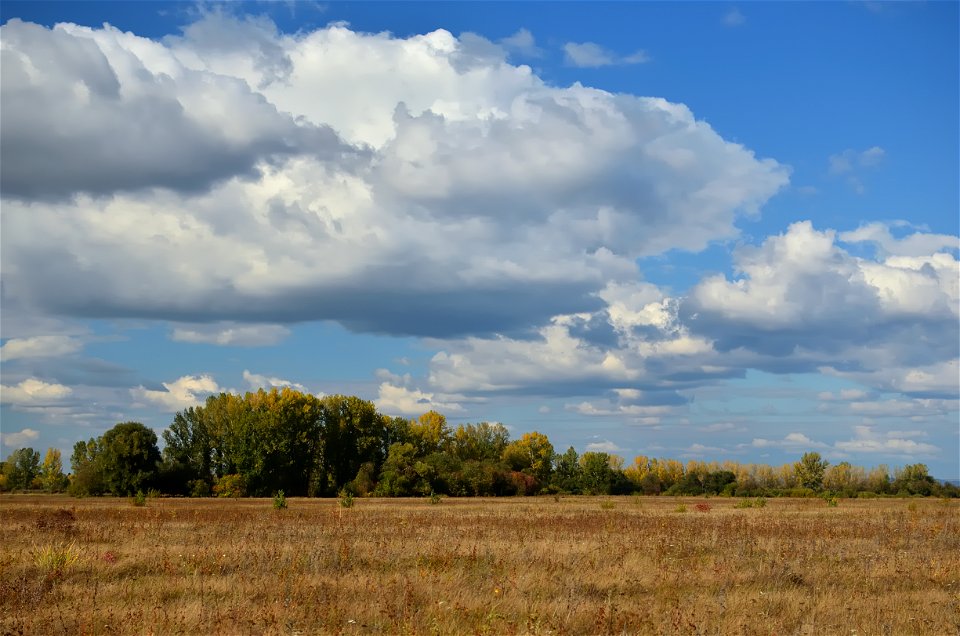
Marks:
<point>692,230</point>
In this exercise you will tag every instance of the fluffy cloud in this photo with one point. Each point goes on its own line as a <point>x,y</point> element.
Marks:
<point>800,290</point>
<point>591,55</point>
<point>234,335</point>
<point>603,446</point>
<point>39,347</point>
<point>917,244</point>
<point>401,400</point>
<point>189,390</point>
<point>256,381</point>
<point>20,438</point>
<point>800,303</point>
<point>33,392</point>
<point>447,192</point>
<point>895,443</point>
<point>792,441</point>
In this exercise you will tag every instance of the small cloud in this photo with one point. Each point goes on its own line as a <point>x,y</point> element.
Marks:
<point>865,440</point>
<point>734,18</point>
<point>39,347</point>
<point>722,427</point>
<point>791,441</point>
<point>543,409</point>
<point>180,394</point>
<point>33,392</point>
<point>872,156</point>
<point>606,446</point>
<point>592,55</point>
<point>255,381</point>
<point>522,43</point>
<point>20,438</point>
<point>850,162</point>
<point>231,335</point>
<point>700,449</point>
<point>408,401</point>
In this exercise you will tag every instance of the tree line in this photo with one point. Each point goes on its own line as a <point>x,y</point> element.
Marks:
<point>265,442</point>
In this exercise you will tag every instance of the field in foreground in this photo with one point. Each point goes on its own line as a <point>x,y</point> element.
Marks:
<point>576,565</point>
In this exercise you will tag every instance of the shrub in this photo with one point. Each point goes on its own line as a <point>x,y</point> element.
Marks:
<point>702,507</point>
<point>231,486</point>
<point>199,488</point>
<point>139,499</point>
<point>680,508</point>
<point>435,498</point>
<point>346,498</point>
<point>279,501</point>
<point>55,558</point>
<point>606,504</point>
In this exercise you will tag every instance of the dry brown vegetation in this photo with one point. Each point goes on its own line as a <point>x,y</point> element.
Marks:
<point>571,565</point>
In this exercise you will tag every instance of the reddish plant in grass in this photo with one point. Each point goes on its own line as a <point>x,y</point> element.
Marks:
<point>703,507</point>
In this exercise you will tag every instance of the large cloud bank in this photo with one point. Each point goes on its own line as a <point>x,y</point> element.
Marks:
<point>418,186</point>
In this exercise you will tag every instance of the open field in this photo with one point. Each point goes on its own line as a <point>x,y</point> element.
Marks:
<point>576,565</point>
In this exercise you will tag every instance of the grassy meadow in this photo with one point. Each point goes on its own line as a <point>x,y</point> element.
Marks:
<point>544,565</point>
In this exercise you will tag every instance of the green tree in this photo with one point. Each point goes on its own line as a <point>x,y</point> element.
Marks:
<point>429,433</point>
<point>187,451</point>
<point>597,475</point>
<point>128,457</point>
<point>567,472</point>
<point>810,471</point>
<point>531,454</point>
<point>914,479</point>
<point>87,478</point>
<point>21,468</point>
<point>51,472</point>
<point>479,442</point>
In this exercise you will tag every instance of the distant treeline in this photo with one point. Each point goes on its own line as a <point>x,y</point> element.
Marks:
<point>262,443</point>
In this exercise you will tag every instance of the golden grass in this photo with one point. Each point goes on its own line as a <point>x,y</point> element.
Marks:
<point>485,566</point>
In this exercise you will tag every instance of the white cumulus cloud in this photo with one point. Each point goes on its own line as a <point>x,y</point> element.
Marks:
<point>184,392</point>
<point>33,392</point>
<point>20,438</point>
<point>256,381</point>
<point>39,347</point>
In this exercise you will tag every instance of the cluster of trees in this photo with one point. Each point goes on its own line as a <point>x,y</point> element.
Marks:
<point>284,440</point>
<point>24,471</point>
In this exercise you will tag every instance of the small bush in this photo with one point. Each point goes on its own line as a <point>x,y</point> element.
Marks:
<point>199,488</point>
<point>279,501</point>
<point>139,499</point>
<point>606,504</point>
<point>435,498</point>
<point>153,493</point>
<point>832,502</point>
<point>231,486</point>
<point>55,558</point>
<point>702,507</point>
<point>759,502</point>
<point>346,498</point>
<point>680,508</point>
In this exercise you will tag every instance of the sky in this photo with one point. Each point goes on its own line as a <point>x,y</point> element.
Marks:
<point>692,230</point>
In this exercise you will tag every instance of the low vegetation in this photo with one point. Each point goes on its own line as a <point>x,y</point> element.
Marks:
<point>534,565</point>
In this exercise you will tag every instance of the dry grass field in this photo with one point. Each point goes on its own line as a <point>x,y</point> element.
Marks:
<point>575,565</point>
